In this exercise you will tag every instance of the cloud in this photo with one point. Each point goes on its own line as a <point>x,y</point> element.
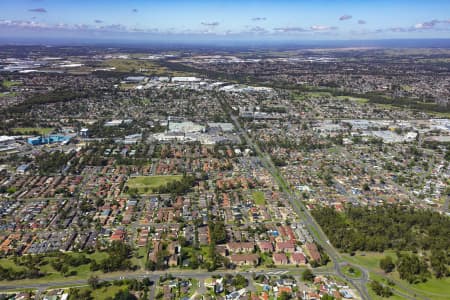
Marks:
<point>345,17</point>
<point>38,10</point>
<point>323,28</point>
<point>362,22</point>
<point>290,29</point>
<point>249,30</point>
<point>211,24</point>
<point>400,29</point>
<point>24,24</point>
<point>114,28</point>
<point>99,27</point>
<point>255,19</point>
<point>135,10</point>
<point>431,24</point>
<point>258,29</point>
<point>33,25</point>
<point>435,25</point>
<point>427,25</point>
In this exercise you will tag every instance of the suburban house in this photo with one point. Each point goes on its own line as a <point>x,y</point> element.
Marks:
<point>280,259</point>
<point>245,259</point>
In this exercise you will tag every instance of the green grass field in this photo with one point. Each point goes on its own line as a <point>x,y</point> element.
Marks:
<point>352,272</point>
<point>31,130</point>
<point>82,271</point>
<point>354,99</point>
<point>375,297</point>
<point>436,289</point>
<point>318,94</point>
<point>7,84</point>
<point>140,259</point>
<point>370,260</point>
<point>146,184</point>
<point>103,293</point>
<point>259,198</point>
<point>106,292</point>
<point>141,66</point>
<point>8,94</point>
<point>434,286</point>
<point>9,263</point>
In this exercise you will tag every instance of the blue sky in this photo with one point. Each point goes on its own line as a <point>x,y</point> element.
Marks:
<point>231,19</point>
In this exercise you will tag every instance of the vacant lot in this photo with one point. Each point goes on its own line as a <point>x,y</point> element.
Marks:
<point>146,184</point>
<point>32,130</point>
<point>140,66</point>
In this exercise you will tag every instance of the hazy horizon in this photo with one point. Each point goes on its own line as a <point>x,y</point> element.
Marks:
<point>174,43</point>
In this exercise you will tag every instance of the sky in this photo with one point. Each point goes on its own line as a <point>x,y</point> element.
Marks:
<point>210,20</point>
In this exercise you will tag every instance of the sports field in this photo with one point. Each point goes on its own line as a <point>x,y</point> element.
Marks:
<point>146,184</point>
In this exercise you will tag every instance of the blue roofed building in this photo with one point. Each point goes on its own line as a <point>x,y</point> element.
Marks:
<point>41,140</point>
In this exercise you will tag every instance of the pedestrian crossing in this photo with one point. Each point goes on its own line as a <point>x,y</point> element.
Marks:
<point>277,272</point>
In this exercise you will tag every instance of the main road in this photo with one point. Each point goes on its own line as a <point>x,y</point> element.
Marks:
<point>314,229</point>
<point>154,276</point>
<point>360,284</point>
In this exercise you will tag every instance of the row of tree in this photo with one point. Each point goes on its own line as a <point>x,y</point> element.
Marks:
<point>118,258</point>
<point>59,95</point>
<point>385,227</point>
<point>49,163</point>
<point>177,187</point>
<point>13,274</point>
<point>407,230</point>
<point>380,290</point>
<point>64,262</point>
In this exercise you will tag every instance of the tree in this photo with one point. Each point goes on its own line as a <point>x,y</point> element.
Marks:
<point>65,270</point>
<point>217,231</point>
<point>380,290</point>
<point>308,275</point>
<point>284,296</point>
<point>240,281</point>
<point>387,264</point>
<point>118,258</point>
<point>77,294</point>
<point>124,295</point>
<point>94,282</point>
<point>438,261</point>
<point>384,227</point>
<point>412,268</point>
